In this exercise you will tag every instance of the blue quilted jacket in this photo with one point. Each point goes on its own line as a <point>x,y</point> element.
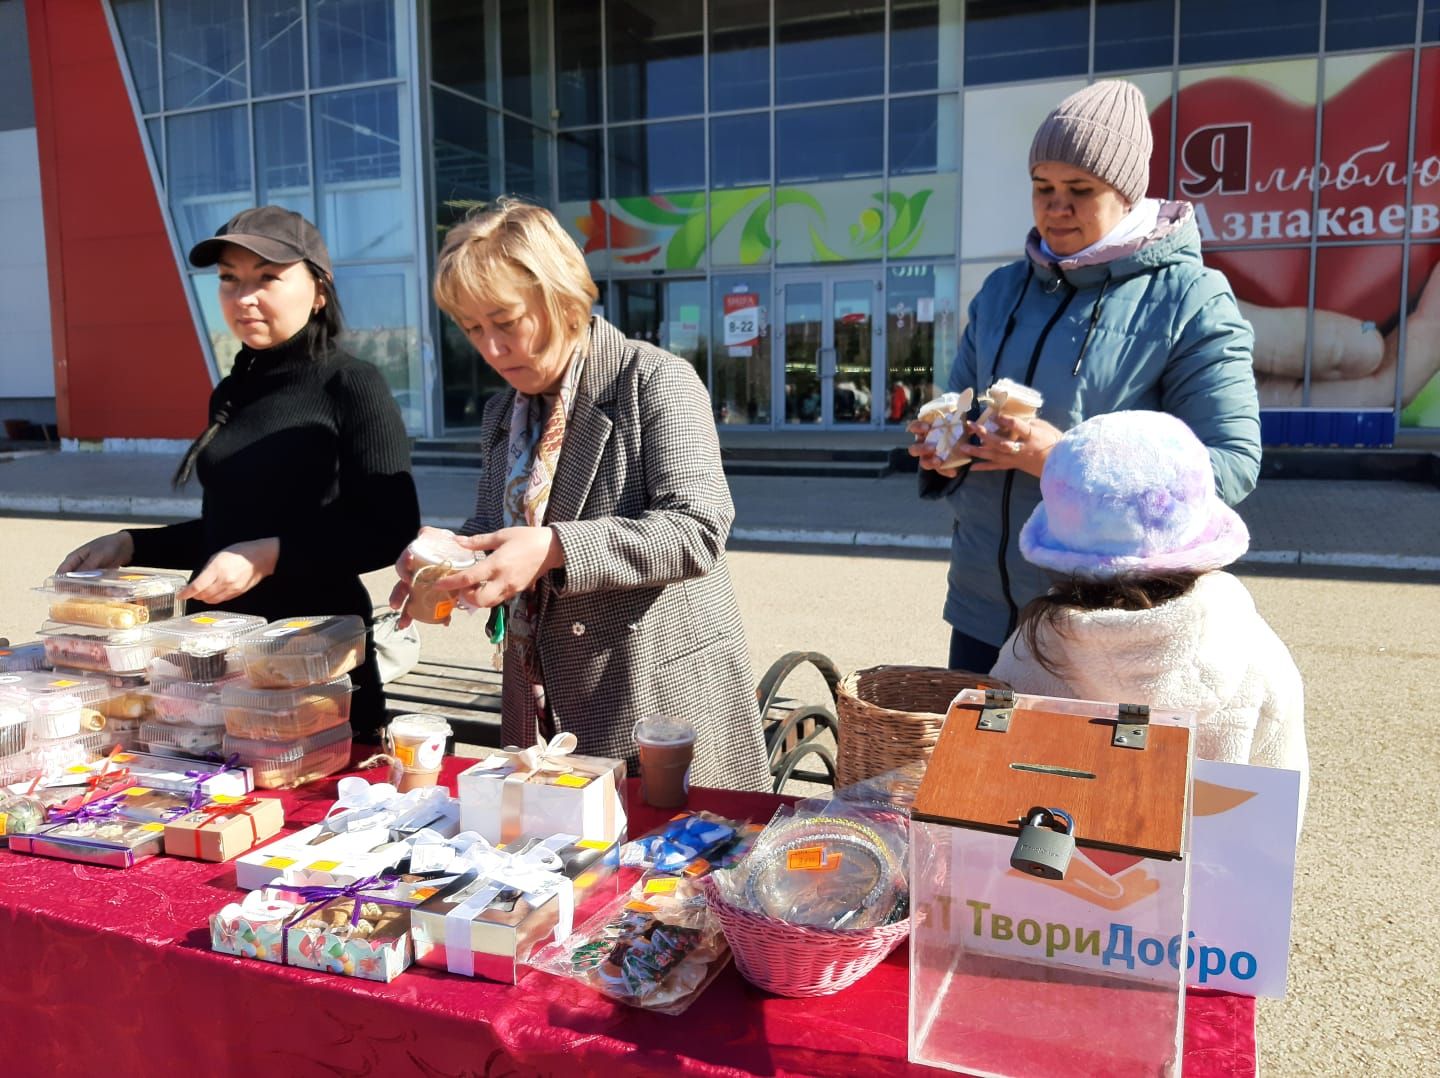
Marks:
<point>1152,328</point>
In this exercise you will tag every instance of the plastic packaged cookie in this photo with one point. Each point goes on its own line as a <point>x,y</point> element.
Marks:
<point>201,647</point>
<point>284,714</point>
<point>295,652</point>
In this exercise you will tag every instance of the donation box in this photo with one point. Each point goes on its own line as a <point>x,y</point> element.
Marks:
<point>1049,873</point>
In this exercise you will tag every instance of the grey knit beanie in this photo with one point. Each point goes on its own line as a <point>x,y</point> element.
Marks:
<point>1104,129</point>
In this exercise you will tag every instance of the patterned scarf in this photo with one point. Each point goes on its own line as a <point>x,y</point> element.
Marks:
<point>537,434</point>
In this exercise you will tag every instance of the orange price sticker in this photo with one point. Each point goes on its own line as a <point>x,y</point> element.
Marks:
<point>405,754</point>
<point>420,894</point>
<point>697,867</point>
<point>639,907</point>
<point>805,859</point>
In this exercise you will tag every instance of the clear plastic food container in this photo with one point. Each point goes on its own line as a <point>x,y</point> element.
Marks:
<point>127,696</point>
<point>200,646</point>
<point>122,732</point>
<point>57,705</point>
<point>49,757</point>
<point>189,703</point>
<point>295,652</point>
<point>103,651</point>
<point>172,738</point>
<point>17,657</point>
<point>110,592</point>
<point>284,714</point>
<point>279,764</point>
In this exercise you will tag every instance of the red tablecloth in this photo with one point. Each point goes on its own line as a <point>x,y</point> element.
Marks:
<point>108,971</point>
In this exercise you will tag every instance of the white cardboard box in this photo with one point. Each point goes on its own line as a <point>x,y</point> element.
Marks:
<point>318,857</point>
<point>502,803</point>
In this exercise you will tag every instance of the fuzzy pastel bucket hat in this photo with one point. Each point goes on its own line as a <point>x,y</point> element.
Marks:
<point>1131,492</point>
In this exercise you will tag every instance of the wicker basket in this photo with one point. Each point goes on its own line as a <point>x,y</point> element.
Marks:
<point>800,960</point>
<point>891,715</point>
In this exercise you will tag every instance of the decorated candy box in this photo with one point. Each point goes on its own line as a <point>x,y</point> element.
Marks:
<point>224,828</point>
<point>112,598</point>
<point>315,855</point>
<point>358,931</point>
<point>522,897</point>
<point>96,834</point>
<point>295,652</point>
<point>361,805</point>
<point>201,647</point>
<point>284,714</point>
<point>544,790</point>
<point>159,772</point>
<point>281,764</point>
<point>104,651</point>
<point>149,805</point>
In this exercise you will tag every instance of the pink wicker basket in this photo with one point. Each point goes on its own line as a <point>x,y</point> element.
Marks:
<point>799,960</point>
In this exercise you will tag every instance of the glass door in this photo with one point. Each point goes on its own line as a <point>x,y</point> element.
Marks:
<point>828,339</point>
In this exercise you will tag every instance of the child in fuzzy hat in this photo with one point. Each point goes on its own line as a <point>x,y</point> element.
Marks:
<point>1141,611</point>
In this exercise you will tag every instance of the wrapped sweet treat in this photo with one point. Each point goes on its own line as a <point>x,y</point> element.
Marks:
<point>435,556</point>
<point>17,657</point>
<point>657,947</point>
<point>947,436</point>
<point>182,739</point>
<point>840,869</point>
<point>104,651</point>
<point>544,790</point>
<point>1011,399</point>
<point>284,714</point>
<point>689,843</point>
<point>297,652</point>
<point>115,590</point>
<point>362,930</point>
<point>521,898</point>
<point>316,856</point>
<point>224,827</point>
<point>202,647</point>
<point>58,706</point>
<point>96,834</point>
<point>21,813</point>
<point>361,805</point>
<point>155,806</point>
<point>212,777</point>
<point>281,764</point>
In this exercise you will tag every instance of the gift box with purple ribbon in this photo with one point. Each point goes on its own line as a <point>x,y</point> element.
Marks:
<point>359,930</point>
<point>97,833</point>
<point>210,777</point>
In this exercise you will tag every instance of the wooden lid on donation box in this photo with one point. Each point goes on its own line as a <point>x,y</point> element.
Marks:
<point>1121,771</point>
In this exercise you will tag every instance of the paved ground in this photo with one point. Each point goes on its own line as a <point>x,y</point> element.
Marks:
<point>1366,524</point>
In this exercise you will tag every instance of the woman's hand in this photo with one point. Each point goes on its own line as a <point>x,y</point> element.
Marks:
<point>515,559</point>
<point>234,571</point>
<point>107,552</point>
<point>1022,444</point>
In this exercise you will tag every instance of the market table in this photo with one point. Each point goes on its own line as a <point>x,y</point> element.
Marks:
<point>110,971</point>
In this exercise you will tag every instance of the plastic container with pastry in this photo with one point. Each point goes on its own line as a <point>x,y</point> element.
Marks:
<point>189,703</point>
<point>181,739</point>
<point>281,764</point>
<point>201,646</point>
<point>58,706</point>
<point>300,651</point>
<point>284,714</point>
<point>17,657</point>
<point>103,651</point>
<point>128,695</point>
<point>113,594</point>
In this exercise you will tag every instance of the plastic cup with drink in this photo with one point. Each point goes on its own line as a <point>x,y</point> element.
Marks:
<point>416,747</point>
<point>666,746</point>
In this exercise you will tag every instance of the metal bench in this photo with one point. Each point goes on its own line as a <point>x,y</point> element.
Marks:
<point>795,732</point>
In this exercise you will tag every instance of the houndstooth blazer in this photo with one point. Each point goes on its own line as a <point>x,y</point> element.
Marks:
<point>642,618</point>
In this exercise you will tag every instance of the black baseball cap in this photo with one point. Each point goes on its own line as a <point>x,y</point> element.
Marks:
<point>274,233</point>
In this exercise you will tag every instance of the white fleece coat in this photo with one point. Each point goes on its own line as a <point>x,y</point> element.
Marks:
<point>1209,651</point>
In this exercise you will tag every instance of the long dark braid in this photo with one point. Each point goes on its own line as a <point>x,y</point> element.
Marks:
<point>323,330</point>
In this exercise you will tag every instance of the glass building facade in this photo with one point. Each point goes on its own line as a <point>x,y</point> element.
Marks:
<point>801,196</point>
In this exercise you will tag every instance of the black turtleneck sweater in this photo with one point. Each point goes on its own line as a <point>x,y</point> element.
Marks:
<point>314,452</point>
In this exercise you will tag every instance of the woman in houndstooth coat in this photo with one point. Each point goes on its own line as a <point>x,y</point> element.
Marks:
<point>602,511</point>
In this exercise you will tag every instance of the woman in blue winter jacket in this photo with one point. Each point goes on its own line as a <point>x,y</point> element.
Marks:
<point>1110,309</point>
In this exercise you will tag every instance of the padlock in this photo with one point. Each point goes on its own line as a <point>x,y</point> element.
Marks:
<point>1041,850</point>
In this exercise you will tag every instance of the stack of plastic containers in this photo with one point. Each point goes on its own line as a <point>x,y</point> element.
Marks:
<point>192,659</point>
<point>289,717</point>
<point>97,636</point>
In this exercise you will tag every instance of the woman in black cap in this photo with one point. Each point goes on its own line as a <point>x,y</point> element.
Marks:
<point>305,463</point>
